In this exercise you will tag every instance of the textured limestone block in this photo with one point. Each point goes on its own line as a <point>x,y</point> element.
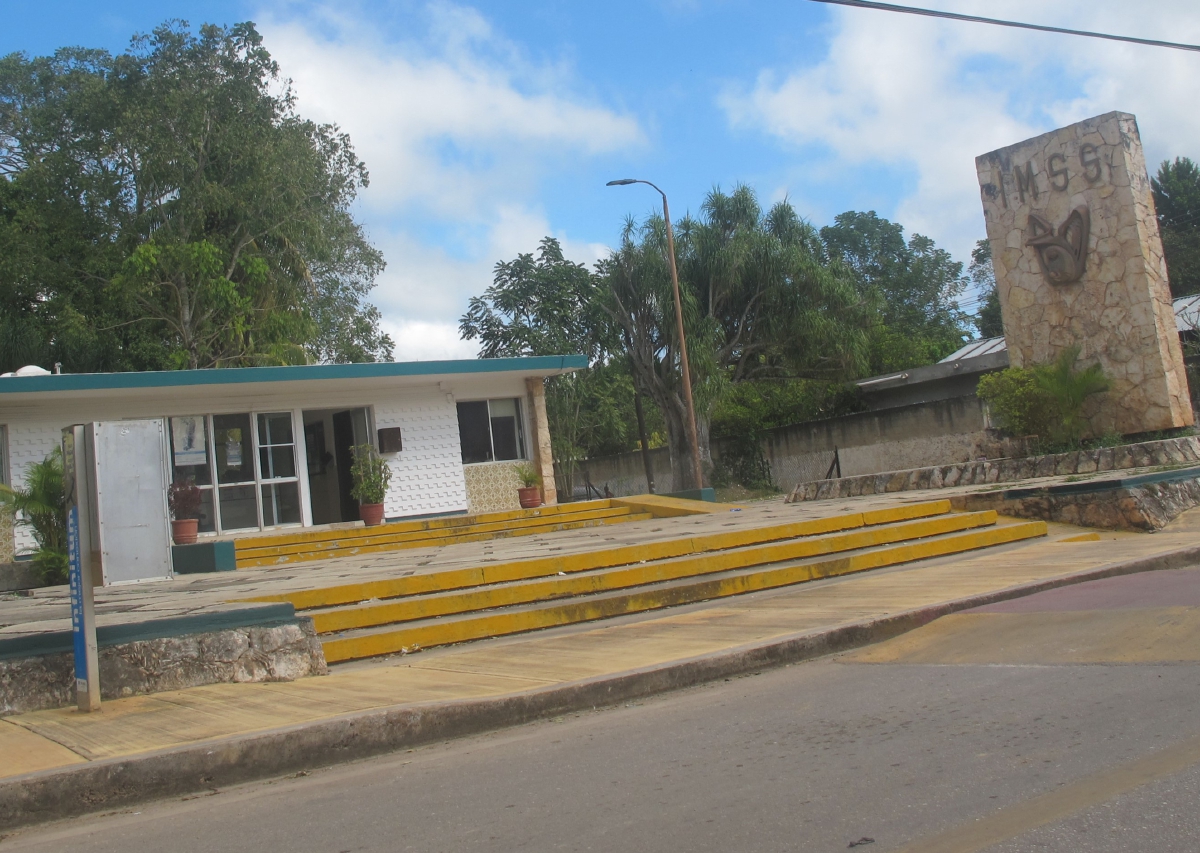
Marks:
<point>1078,260</point>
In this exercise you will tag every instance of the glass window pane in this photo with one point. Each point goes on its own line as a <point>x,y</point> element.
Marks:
<point>473,432</point>
<point>189,449</point>
<point>275,428</point>
<point>208,519</point>
<point>281,504</point>
<point>504,429</point>
<point>234,451</point>
<point>239,509</point>
<point>277,462</point>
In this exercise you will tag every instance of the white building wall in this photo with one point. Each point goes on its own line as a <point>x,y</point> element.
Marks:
<point>427,475</point>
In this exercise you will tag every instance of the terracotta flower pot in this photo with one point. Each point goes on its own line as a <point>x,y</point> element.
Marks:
<point>184,530</point>
<point>371,514</point>
<point>530,496</point>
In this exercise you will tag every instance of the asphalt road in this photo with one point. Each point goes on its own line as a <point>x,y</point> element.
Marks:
<point>1066,721</point>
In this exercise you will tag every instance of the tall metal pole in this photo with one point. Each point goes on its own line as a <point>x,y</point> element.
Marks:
<point>697,470</point>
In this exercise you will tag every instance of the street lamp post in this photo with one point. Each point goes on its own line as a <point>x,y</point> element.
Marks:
<point>698,472</point>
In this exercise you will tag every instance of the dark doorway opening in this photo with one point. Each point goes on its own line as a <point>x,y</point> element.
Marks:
<point>330,436</point>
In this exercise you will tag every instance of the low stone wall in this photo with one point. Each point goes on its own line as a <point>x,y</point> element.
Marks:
<point>1173,451</point>
<point>19,575</point>
<point>1142,508</point>
<point>280,652</point>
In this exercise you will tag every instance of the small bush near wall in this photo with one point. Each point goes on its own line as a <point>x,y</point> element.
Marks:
<point>1015,401</point>
<point>1045,401</point>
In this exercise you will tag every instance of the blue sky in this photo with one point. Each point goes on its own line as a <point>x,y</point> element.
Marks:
<point>489,125</point>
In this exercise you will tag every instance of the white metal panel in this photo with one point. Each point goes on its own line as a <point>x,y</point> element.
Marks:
<point>131,500</point>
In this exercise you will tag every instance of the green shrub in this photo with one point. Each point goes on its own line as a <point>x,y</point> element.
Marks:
<point>1046,400</point>
<point>1069,389</point>
<point>1018,405</point>
<point>371,475</point>
<point>42,507</point>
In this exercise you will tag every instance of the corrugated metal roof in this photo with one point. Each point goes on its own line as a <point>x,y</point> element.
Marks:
<point>1187,319</point>
<point>974,349</point>
<point>1187,313</point>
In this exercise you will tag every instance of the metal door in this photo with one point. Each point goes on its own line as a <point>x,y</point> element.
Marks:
<point>131,500</point>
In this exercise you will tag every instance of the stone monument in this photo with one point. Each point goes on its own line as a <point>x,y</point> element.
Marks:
<point>1078,260</point>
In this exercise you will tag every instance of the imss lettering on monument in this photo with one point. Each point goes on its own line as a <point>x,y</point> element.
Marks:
<point>1059,168</point>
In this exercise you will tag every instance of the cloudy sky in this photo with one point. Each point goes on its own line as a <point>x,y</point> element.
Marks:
<point>488,125</point>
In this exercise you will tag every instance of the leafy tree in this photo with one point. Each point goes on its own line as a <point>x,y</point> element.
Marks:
<point>547,305</point>
<point>167,207</point>
<point>914,285</point>
<point>758,301</point>
<point>988,320</point>
<point>1176,190</point>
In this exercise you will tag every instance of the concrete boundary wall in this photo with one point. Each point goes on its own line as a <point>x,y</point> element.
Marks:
<point>928,433</point>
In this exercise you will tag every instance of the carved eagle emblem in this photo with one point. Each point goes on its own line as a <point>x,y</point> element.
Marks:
<point>1062,254</point>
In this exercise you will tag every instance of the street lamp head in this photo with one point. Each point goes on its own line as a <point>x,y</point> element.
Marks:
<point>622,183</point>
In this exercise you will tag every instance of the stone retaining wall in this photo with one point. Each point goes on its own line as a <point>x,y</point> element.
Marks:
<point>1142,508</point>
<point>1173,451</point>
<point>282,652</point>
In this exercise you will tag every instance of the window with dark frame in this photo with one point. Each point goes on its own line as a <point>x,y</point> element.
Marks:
<point>491,430</point>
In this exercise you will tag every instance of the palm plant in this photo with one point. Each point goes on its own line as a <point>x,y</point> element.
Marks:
<point>42,507</point>
<point>1069,388</point>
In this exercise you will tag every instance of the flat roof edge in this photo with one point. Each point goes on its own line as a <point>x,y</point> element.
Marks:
<point>529,365</point>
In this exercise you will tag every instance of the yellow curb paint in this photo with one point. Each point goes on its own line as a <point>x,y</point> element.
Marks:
<point>544,589</point>
<point>547,616</point>
<point>444,523</point>
<point>1082,537</point>
<point>589,560</point>
<point>354,550</point>
<point>381,535</point>
<point>661,506</point>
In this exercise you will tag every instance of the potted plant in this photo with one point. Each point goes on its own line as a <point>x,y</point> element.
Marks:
<point>530,493</point>
<point>183,498</point>
<point>371,474</point>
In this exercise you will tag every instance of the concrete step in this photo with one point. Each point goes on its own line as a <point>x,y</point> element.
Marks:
<point>420,584</point>
<point>474,625</point>
<point>322,544</point>
<point>612,577</point>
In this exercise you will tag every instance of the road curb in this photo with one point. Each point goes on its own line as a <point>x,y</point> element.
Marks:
<point>119,782</point>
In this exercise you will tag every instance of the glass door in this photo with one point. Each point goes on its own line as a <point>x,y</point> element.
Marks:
<point>280,488</point>
<point>233,451</point>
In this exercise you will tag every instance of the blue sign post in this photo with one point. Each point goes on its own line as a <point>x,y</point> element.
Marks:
<point>79,542</point>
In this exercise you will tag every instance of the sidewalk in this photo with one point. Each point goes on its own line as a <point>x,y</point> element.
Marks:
<point>80,762</point>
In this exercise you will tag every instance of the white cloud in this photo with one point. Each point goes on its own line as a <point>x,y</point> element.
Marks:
<point>925,97</point>
<point>425,281</point>
<point>452,123</point>
<point>418,340</point>
<point>458,128</point>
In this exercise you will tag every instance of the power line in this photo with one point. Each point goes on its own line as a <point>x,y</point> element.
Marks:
<point>975,19</point>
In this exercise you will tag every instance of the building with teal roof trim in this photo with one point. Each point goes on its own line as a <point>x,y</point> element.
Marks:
<point>271,447</point>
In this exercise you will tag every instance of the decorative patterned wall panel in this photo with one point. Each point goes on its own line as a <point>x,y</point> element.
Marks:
<point>492,486</point>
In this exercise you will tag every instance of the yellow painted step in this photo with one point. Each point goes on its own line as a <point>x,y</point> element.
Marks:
<point>385,534</point>
<point>589,608</point>
<point>544,589</point>
<point>548,526</point>
<point>444,523</point>
<point>598,559</point>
